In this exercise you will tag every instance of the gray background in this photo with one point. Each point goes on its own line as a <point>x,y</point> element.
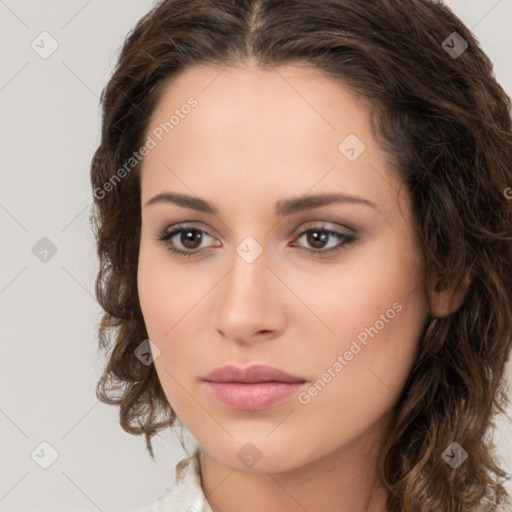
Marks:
<point>49,363</point>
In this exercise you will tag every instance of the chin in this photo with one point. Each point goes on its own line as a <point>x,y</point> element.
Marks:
<point>256,458</point>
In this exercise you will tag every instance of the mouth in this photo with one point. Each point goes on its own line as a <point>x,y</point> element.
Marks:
<point>253,388</point>
<point>256,373</point>
<point>252,396</point>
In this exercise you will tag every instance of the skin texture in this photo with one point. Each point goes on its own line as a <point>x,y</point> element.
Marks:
<point>258,136</point>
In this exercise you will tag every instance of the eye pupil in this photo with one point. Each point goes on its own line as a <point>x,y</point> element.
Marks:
<point>188,236</point>
<point>317,238</point>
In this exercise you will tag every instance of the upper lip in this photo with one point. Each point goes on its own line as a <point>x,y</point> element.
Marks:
<point>250,374</point>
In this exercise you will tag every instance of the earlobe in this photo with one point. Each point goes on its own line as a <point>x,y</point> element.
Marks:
<point>446,300</point>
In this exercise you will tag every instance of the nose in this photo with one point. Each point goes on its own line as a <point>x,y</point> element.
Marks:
<point>250,302</point>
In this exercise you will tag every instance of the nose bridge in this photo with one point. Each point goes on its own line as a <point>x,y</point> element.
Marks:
<point>246,302</point>
<point>248,276</point>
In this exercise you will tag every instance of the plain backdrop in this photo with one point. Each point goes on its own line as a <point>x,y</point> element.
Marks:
<point>49,363</point>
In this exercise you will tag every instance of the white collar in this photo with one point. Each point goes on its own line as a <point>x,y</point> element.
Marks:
<point>186,494</point>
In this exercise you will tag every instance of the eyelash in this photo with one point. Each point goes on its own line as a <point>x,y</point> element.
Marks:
<point>345,240</point>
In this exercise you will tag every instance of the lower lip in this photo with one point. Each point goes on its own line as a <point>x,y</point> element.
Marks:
<point>252,397</point>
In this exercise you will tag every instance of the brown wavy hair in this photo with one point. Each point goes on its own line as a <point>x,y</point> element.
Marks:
<point>446,123</point>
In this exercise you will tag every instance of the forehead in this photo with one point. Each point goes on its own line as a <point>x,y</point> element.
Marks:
<point>252,98</point>
<point>251,128</point>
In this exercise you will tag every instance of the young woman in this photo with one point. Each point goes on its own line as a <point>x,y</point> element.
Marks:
<point>303,214</point>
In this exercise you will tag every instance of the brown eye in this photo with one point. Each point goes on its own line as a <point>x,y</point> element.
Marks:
<point>191,238</point>
<point>318,238</point>
<point>184,240</point>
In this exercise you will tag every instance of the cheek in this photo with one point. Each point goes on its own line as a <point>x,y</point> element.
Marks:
<point>360,382</point>
<point>153,299</point>
<point>364,375</point>
<point>170,300</point>
<point>381,352</point>
<point>166,295</point>
<point>162,304</point>
<point>377,310</point>
<point>375,289</point>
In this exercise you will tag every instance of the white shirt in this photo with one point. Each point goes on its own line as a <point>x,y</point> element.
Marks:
<point>186,493</point>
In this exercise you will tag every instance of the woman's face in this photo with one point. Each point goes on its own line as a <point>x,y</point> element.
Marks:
<point>328,290</point>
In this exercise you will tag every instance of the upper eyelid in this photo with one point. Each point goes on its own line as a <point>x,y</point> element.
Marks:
<point>310,225</point>
<point>319,224</point>
<point>345,240</point>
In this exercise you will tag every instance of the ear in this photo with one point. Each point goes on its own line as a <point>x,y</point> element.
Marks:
<point>446,300</point>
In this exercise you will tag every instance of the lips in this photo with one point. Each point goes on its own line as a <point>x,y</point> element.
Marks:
<point>251,389</point>
<point>251,374</point>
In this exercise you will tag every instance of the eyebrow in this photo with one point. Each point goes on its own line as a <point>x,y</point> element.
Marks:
<point>283,207</point>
